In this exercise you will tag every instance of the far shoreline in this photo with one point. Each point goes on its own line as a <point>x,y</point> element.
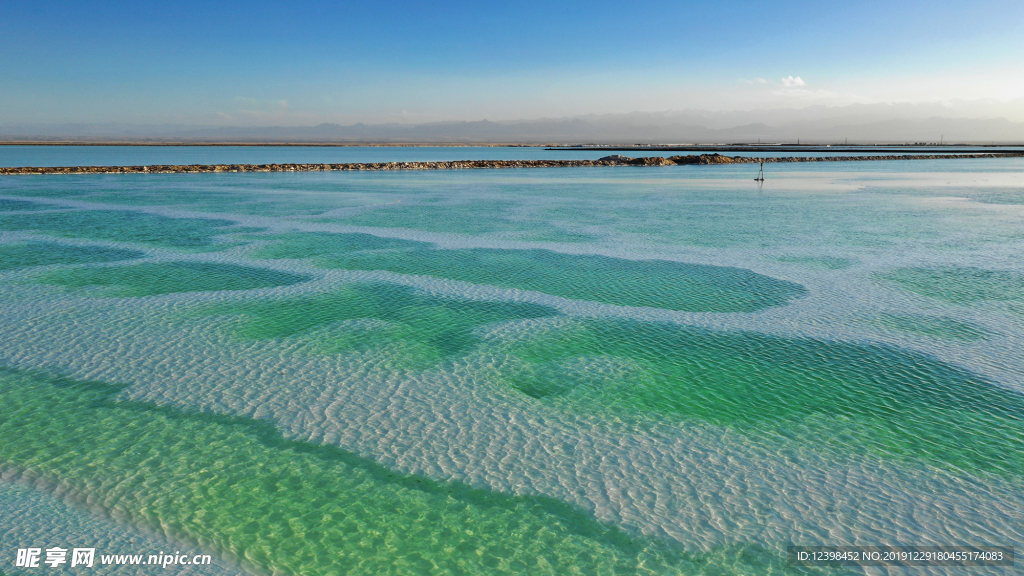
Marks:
<point>607,161</point>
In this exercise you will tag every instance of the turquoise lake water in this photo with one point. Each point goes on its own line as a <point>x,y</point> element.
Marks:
<point>666,370</point>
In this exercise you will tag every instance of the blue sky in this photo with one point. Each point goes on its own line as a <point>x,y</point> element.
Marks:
<point>261,63</point>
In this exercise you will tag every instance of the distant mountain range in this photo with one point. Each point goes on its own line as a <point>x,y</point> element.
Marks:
<point>881,123</point>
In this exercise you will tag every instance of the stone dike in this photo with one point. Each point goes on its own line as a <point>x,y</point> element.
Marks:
<point>615,160</point>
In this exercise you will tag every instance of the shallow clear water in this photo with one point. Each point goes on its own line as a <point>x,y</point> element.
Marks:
<point>606,370</point>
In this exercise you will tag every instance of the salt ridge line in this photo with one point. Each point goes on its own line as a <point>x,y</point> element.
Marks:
<point>616,160</point>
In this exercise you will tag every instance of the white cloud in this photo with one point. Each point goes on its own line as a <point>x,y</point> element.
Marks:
<point>790,81</point>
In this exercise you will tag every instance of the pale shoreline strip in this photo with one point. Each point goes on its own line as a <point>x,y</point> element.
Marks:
<point>703,159</point>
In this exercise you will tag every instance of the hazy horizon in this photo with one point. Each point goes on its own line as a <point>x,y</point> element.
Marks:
<point>271,64</point>
<point>857,123</point>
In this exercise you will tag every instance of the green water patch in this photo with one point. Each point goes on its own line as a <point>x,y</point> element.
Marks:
<point>818,263</point>
<point>121,226</point>
<point>561,235</point>
<point>859,398</point>
<point>654,283</point>
<point>289,507</point>
<point>471,217</point>
<point>935,327</point>
<point>19,205</point>
<point>247,195</point>
<point>416,327</point>
<point>150,279</point>
<point>319,244</point>
<point>24,255</point>
<point>960,285</point>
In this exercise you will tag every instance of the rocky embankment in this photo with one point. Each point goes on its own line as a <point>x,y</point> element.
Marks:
<point>614,160</point>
